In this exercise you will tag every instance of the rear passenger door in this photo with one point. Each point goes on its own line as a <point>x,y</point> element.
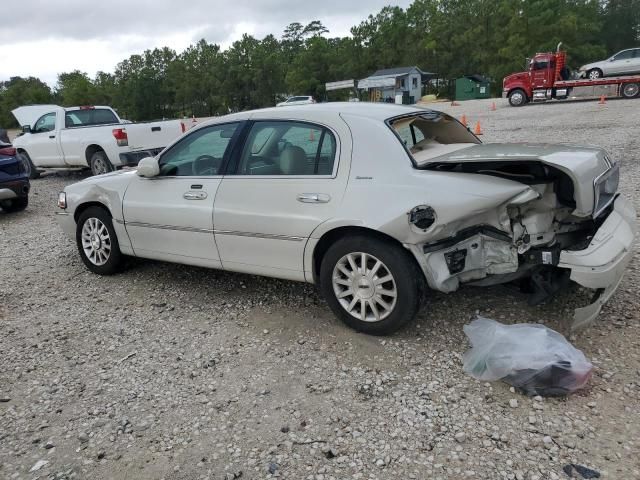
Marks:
<point>284,184</point>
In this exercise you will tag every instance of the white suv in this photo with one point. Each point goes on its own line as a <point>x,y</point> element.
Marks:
<point>299,100</point>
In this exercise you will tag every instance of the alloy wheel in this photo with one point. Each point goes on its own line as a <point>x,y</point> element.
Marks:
<point>364,286</point>
<point>96,241</point>
<point>630,90</point>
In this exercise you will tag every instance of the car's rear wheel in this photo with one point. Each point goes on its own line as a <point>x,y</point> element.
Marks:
<point>97,242</point>
<point>372,285</point>
<point>15,204</point>
<point>30,168</point>
<point>594,74</point>
<point>630,90</point>
<point>100,163</point>
<point>518,98</point>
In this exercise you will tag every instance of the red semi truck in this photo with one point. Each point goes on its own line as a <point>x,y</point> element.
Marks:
<point>547,80</point>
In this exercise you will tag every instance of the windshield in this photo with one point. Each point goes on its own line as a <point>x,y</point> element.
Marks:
<point>91,116</point>
<point>431,134</point>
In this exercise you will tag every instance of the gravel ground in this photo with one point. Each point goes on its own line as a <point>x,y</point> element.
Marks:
<point>173,372</point>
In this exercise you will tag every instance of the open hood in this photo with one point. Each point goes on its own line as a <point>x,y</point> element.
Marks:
<point>30,114</point>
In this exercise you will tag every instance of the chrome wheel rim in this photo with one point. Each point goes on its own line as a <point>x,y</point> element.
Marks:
<point>517,98</point>
<point>96,241</point>
<point>594,74</point>
<point>365,287</point>
<point>100,166</point>
<point>631,89</point>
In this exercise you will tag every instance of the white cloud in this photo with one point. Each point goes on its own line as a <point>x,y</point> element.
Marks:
<point>94,36</point>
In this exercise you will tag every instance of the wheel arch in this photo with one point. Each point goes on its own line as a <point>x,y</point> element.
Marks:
<point>91,150</point>
<point>86,205</point>
<point>328,238</point>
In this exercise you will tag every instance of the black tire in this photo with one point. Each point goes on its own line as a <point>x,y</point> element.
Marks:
<point>15,204</point>
<point>630,90</point>
<point>594,74</point>
<point>406,279</point>
<point>114,259</point>
<point>100,163</point>
<point>518,98</point>
<point>33,172</point>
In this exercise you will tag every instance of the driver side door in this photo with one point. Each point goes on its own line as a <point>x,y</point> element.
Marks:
<point>170,217</point>
<point>44,146</point>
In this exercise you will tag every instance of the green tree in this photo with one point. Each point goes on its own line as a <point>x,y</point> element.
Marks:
<point>18,91</point>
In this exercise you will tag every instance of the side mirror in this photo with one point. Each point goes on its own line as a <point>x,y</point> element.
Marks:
<point>26,129</point>
<point>148,167</point>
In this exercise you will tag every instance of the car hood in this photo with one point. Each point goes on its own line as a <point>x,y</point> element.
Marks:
<point>581,163</point>
<point>589,66</point>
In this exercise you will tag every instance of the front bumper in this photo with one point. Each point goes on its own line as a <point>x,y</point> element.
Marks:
<point>67,223</point>
<point>601,265</point>
<point>505,93</point>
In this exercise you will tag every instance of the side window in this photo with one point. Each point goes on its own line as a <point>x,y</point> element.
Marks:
<point>199,154</point>
<point>45,123</point>
<point>540,65</point>
<point>626,55</point>
<point>288,148</point>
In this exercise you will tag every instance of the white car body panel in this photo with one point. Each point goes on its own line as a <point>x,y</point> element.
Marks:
<point>255,224</point>
<point>67,147</point>
<point>613,66</point>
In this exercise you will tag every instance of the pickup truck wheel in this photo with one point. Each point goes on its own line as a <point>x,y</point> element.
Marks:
<point>594,74</point>
<point>97,242</point>
<point>630,90</point>
<point>100,163</point>
<point>372,285</point>
<point>518,98</point>
<point>15,204</point>
<point>31,169</point>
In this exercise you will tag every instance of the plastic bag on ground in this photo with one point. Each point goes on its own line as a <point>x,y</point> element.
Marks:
<point>533,358</point>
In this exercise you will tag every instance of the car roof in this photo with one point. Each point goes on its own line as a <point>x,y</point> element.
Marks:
<point>375,111</point>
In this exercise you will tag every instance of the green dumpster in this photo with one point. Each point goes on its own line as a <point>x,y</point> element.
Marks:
<point>471,87</point>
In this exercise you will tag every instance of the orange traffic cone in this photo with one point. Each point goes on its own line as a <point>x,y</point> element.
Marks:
<point>603,100</point>
<point>493,107</point>
<point>478,129</point>
<point>312,137</point>
<point>463,120</point>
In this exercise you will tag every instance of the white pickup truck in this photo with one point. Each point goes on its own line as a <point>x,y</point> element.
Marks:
<point>91,136</point>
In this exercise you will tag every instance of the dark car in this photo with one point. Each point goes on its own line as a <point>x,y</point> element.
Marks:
<point>14,180</point>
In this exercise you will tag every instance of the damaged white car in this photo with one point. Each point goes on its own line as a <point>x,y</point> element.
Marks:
<point>375,204</point>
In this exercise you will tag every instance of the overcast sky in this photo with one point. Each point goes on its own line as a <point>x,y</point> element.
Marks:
<point>44,38</point>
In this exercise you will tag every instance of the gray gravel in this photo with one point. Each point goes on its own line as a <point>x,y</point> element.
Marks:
<point>173,372</point>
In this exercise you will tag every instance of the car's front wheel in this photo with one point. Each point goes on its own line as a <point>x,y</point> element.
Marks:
<point>518,98</point>
<point>372,285</point>
<point>97,242</point>
<point>594,74</point>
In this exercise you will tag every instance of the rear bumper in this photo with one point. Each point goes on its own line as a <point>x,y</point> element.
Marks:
<point>131,159</point>
<point>601,265</point>
<point>14,189</point>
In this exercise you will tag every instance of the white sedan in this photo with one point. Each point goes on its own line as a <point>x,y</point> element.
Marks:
<point>373,203</point>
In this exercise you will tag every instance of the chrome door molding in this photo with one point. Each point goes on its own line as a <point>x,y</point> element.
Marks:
<point>268,236</point>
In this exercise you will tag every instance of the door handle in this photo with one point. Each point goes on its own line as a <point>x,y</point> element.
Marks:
<point>52,136</point>
<point>313,198</point>
<point>195,195</point>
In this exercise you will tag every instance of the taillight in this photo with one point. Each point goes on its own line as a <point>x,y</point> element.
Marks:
<point>120,134</point>
<point>9,151</point>
<point>87,107</point>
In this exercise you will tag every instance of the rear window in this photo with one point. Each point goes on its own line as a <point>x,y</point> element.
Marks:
<point>93,116</point>
<point>431,134</point>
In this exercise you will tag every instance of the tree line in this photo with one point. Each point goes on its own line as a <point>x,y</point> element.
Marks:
<point>449,37</point>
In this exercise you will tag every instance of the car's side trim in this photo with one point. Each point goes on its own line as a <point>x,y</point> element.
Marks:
<point>269,236</point>
<point>166,227</point>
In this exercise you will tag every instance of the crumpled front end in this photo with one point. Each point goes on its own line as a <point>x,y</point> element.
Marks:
<point>602,264</point>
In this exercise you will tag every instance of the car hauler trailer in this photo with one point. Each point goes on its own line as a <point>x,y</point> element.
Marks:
<point>547,79</point>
